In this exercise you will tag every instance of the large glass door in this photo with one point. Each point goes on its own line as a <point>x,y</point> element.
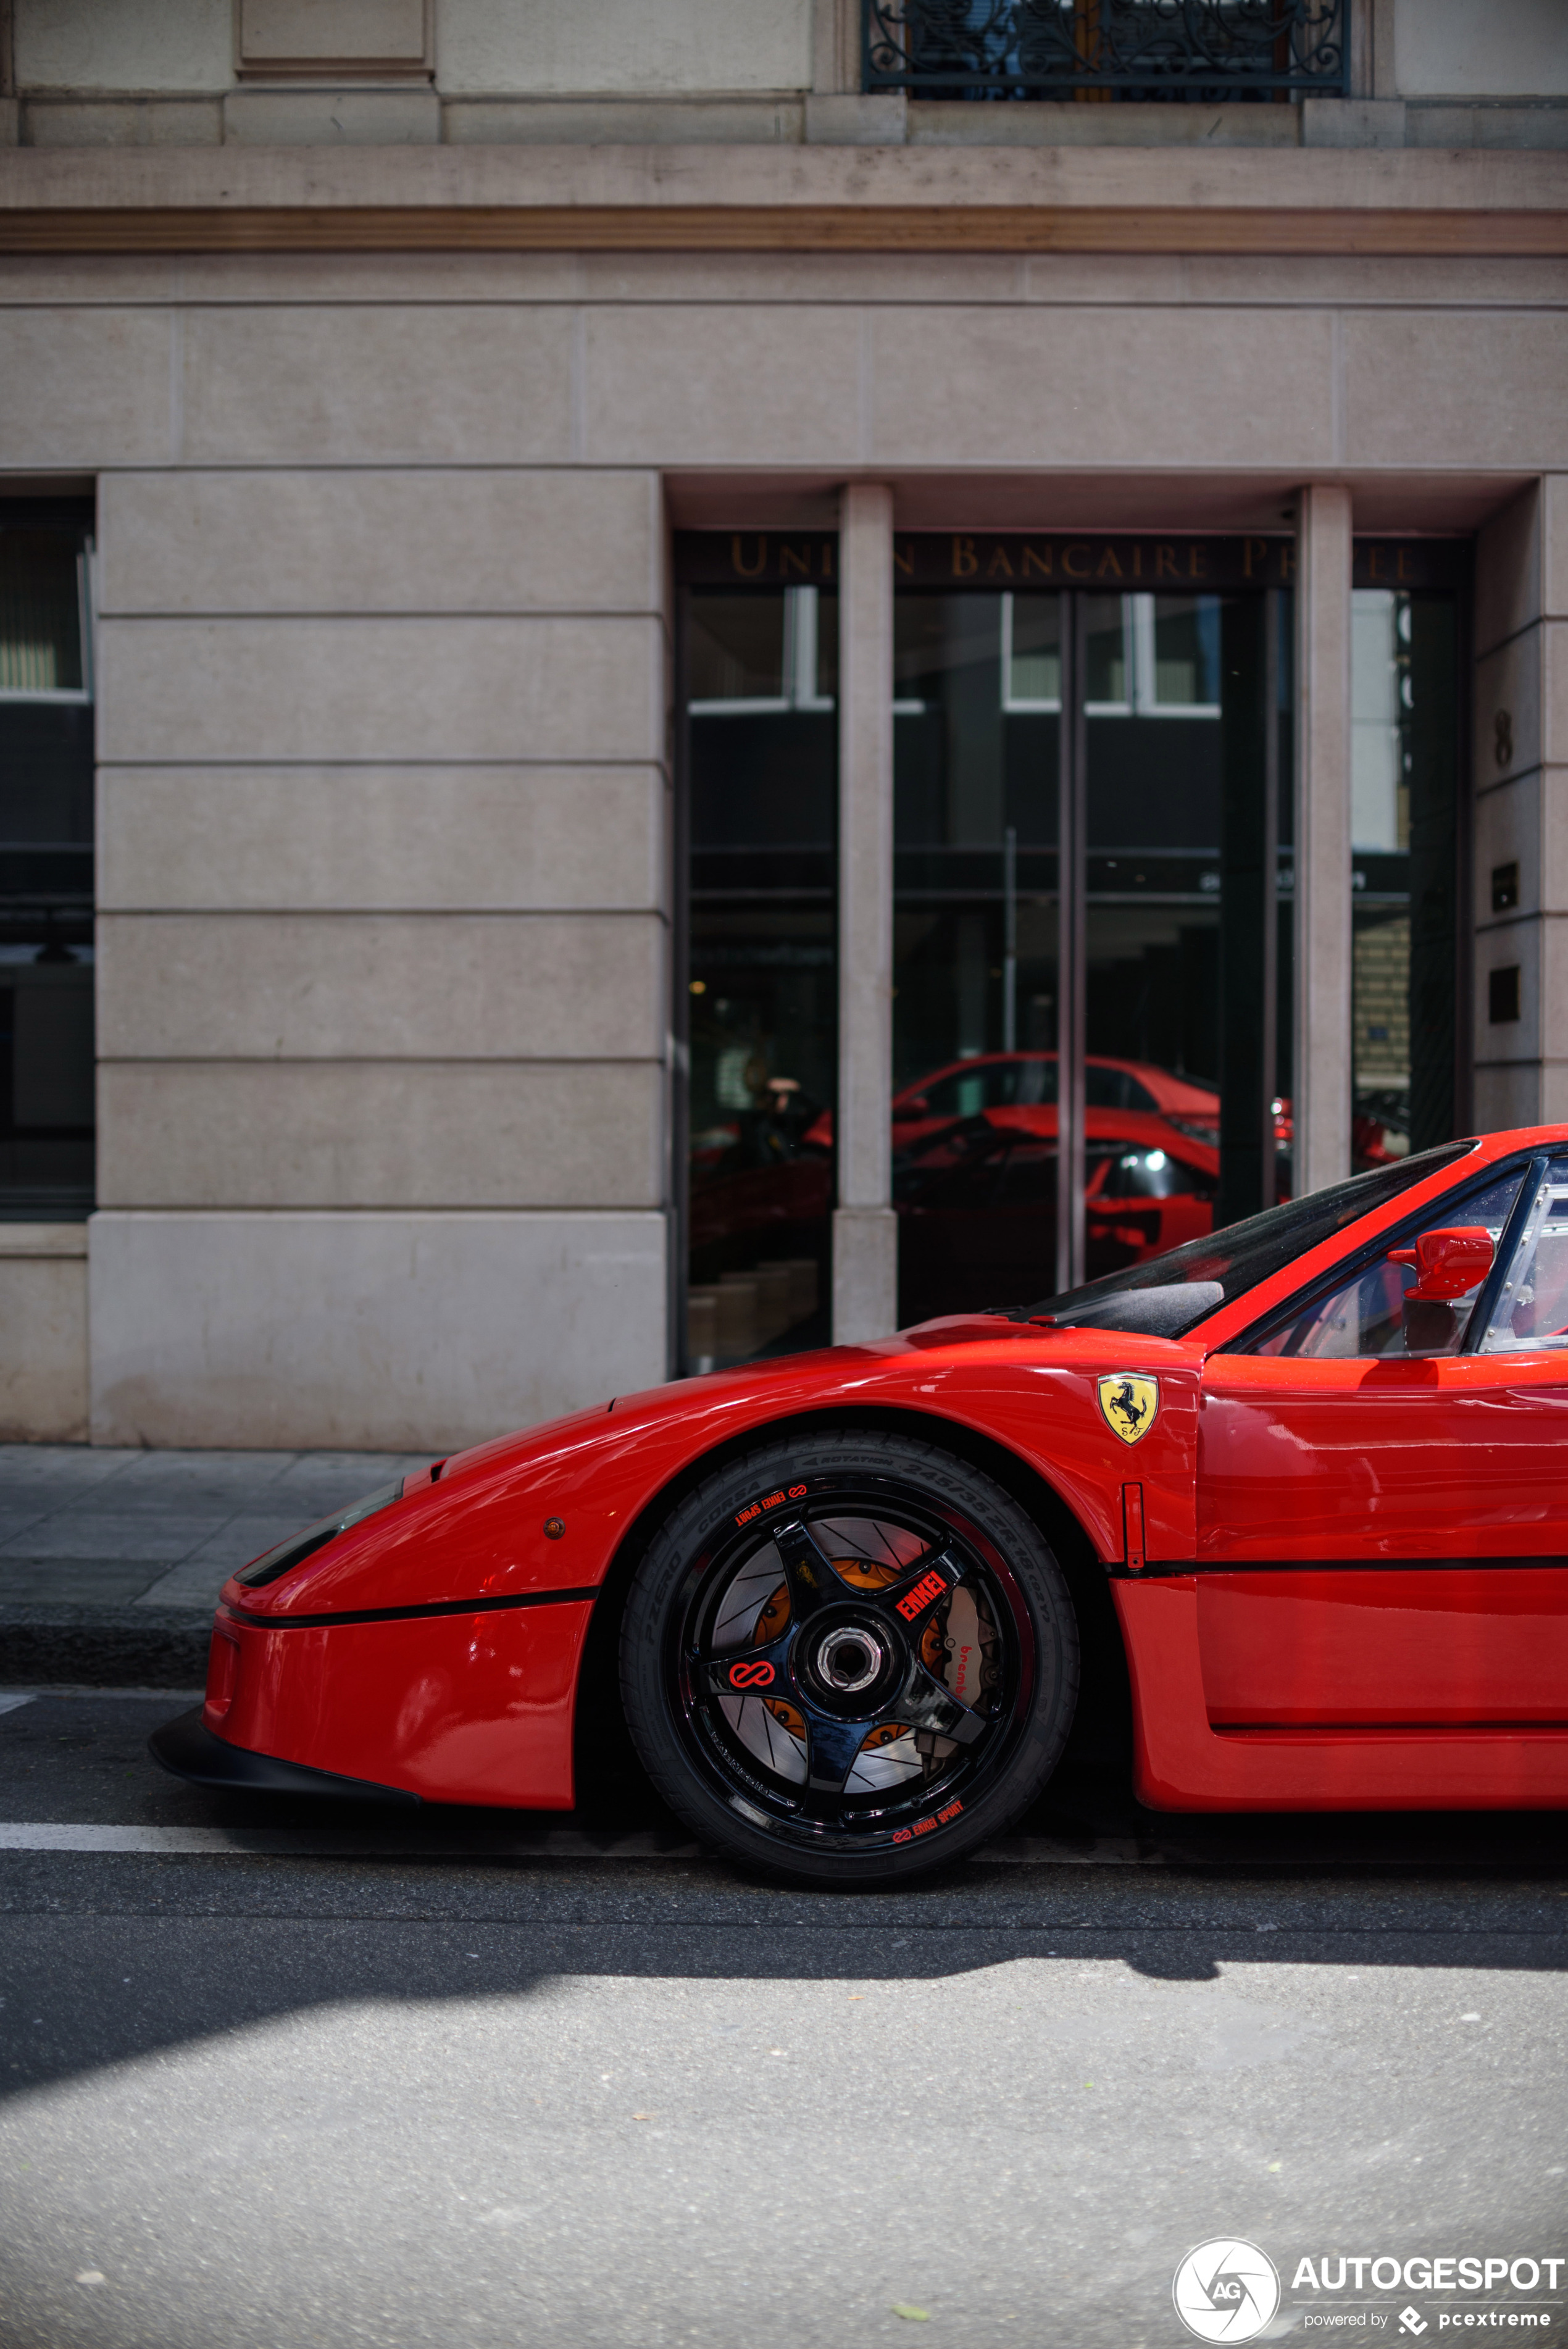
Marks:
<point>758,1011</point>
<point>1092,997</point>
<point>1094,906</point>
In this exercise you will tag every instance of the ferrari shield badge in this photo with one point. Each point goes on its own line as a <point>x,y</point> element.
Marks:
<point>1130,1405</point>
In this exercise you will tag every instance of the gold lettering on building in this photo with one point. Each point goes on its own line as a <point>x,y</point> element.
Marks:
<point>966,562</point>
<point>1165,562</point>
<point>1038,559</point>
<point>1072,569</point>
<point>791,559</point>
<point>999,563</point>
<point>1375,570</point>
<point>748,570</point>
<point>1108,565</point>
<point>904,562</point>
<point>1195,569</point>
<point>1254,551</point>
<point>1402,567</point>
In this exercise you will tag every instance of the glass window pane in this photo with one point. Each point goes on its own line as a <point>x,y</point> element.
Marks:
<point>1108,650</point>
<point>46,1049</point>
<point>40,611</point>
<point>1032,628</point>
<point>735,647</point>
<point>1185,1015</point>
<point>1184,642</point>
<point>976,731</point>
<point>761,976</point>
<point>1403,788</point>
<point>1364,1314</point>
<point>1531,1308</point>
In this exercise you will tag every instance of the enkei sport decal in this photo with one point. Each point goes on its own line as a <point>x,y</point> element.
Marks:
<point>753,1675</point>
<point>929,1826</point>
<point>772,1501</point>
<point>916,1602</point>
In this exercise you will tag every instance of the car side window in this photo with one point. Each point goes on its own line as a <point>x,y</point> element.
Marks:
<point>1363,1316</point>
<point>970,1091</point>
<point>1532,1306</point>
<point>1106,1088</point>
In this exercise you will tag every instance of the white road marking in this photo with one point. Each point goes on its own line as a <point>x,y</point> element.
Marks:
<point>328,1842</point>
<point>9,1704</point>
<point>550,1843</point>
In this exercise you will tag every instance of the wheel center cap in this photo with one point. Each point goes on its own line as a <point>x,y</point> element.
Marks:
<point>849,1660</point>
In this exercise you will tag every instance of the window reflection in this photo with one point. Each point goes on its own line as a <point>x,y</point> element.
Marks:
<point>46,1051</point>
<point>1404,780</point>
<point>762,979</point>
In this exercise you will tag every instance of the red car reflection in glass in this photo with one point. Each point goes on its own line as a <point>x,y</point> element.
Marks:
<point>1010,1086</point>
<point>976,1202</point>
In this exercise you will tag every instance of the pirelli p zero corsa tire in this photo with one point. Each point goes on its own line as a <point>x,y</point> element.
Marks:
<point>847,1659</point>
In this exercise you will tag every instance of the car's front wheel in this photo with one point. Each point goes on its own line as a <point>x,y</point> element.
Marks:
<point>846,1658</point>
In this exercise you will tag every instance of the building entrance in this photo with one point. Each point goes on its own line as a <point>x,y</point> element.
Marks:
<point>1093,969</point>
<point>1093,849</point>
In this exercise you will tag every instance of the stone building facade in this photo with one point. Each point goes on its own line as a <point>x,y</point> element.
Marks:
<point>384,369</point>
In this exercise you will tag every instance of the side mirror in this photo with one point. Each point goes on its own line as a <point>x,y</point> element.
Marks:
<point>1448,1265</point>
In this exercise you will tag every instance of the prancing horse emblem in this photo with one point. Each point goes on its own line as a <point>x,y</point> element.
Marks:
<point>1129,1404</point>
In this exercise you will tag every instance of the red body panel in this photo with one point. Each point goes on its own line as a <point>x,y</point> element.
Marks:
<point>1460,1457</point>
<point>1182,1762</point>
<point>453,1708</point>
<point>1467,1645</point>
<point>1357,1671</point>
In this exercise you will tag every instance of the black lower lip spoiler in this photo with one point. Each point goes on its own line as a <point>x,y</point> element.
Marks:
<point>189,1748</point>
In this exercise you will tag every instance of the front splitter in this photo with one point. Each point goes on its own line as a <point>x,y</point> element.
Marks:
<point>189,1749</point>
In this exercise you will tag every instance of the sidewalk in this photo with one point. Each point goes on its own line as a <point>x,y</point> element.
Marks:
<point>110,1561</point>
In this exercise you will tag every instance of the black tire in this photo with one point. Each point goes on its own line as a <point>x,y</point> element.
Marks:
<point>944,1611</point>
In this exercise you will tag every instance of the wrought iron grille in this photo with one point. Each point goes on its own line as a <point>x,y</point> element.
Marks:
<point>1199,50</point>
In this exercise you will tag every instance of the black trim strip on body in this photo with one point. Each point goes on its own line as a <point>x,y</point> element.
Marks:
<point>405,1614</point>
<point>1167,1565</point>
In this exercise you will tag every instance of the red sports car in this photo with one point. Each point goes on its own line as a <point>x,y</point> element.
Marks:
<point>1310,1474</point>
<point>1008,1086</point>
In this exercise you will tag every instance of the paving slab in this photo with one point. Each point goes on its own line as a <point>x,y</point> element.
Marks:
<point>111,1559</point>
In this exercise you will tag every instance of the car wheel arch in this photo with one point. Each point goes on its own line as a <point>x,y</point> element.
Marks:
<point>603,1750</point>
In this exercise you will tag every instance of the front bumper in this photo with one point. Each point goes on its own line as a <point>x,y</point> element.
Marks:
<point>189,1748</point>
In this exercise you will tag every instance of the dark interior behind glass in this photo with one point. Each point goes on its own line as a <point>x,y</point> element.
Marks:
<point>47,1052</point>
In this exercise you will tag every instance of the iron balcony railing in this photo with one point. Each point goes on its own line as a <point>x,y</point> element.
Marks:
<point>1196,50</point>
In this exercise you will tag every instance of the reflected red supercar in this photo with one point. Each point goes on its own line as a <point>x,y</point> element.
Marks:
<point>1329,1507</point>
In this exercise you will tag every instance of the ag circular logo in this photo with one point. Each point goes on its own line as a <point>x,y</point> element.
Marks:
<point>1226,2289</point>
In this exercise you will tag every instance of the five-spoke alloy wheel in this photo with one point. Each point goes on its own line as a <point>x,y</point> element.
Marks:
<point>848,1657</point>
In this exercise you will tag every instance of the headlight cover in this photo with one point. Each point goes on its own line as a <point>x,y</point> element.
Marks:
<point>275,1563</point>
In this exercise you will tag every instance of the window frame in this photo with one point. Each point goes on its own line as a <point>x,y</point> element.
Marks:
<point>1402,1235</point>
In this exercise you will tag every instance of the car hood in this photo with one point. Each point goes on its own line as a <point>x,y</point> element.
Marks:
<point>484,1531</point>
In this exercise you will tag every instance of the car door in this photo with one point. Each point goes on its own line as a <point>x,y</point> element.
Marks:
<point>1383,1540</point>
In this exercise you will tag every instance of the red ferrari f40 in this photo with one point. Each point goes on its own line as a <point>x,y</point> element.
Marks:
<point>1310,1472</point>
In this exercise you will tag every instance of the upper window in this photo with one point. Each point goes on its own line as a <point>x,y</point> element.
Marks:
<point>1207,51</point>
<point>47,1062</point>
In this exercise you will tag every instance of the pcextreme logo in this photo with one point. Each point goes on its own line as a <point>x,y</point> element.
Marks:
<point>1226,2289</point>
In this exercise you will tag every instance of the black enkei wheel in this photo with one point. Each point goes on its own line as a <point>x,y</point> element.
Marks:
<point>848,1657</point>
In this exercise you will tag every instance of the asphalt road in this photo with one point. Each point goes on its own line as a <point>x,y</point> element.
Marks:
<point>328,2080</point>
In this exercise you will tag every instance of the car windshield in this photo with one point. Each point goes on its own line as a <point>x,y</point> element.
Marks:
<point>1172,1293</point>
